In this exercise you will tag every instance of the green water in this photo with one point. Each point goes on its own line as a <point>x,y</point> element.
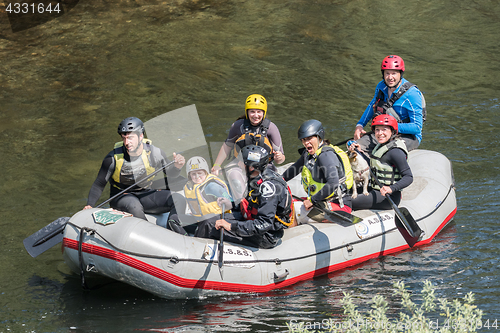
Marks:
<point>65,85</point>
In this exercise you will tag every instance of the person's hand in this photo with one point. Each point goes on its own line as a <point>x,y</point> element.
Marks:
<point>307,204</point>
<point>179,161</point>
<point>359,132</point>
<point>352,145</point>
<point>87,207</point>
<point>385,190</point>
<point>222,224</point>
<point>279,157</point>
<point>215,169</point>
<point>224,201</point>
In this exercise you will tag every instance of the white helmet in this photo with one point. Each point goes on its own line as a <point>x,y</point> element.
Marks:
<point>197,163</point>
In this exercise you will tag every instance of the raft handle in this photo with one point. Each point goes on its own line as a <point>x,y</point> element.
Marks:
<point>282,275</point>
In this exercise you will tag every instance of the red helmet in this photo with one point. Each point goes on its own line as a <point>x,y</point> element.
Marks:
<point>385,119</point>
<point>393,62</point>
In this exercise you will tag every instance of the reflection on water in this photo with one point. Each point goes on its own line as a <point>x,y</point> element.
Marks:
<point>66,84</point>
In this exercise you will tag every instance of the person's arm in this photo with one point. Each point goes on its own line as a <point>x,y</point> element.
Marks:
<point>223,153</point>
<point>367,115</point>
<point>101,180</point>
<point>411,109</point>
<point>227,146</point>
<point>173,170</point>
<point>217,191</point>
<point>398,159</point>
<point>294,169</point>
<point>275,138</point>
<point>329,164</point>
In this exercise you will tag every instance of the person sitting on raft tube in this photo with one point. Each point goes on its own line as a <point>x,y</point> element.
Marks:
<point>203,189</point>
<point>326,171</point>
<point>259,219</point>
<point>389,164</point>
<point>131,159</point>
<point>398,97</point>
<point>252,128</point>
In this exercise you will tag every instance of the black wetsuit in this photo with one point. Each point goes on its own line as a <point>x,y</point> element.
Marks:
<point>375,199</point>
<point>139,200</point>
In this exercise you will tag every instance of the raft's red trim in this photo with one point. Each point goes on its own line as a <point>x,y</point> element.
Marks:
<point>233,287</point>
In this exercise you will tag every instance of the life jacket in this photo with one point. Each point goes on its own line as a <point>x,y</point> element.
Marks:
<point>385,173</point>
<point>252,136</point>
<point>199,202</point>
<point>249,206</point>
<point>381,107</point>
<point>127,173</point>
<point>346,178</point>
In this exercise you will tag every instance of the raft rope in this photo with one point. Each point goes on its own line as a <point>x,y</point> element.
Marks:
<point>175,259</point>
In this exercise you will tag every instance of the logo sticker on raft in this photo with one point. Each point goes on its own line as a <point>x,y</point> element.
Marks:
<point>375,225</point>
<point>231,253</point>
<point>109,216</point>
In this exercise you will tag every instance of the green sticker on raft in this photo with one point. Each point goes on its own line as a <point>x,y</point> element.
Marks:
<point>109,216</point>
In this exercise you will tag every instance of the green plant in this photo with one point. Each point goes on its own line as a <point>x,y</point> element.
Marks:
<point>432,315</point>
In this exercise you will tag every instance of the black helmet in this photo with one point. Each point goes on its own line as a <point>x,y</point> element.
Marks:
<point>311,127</point>
<point>256,156</point>
<point>131,124</point>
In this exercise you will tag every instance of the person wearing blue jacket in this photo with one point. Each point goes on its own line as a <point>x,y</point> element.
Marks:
<point>399,98</point>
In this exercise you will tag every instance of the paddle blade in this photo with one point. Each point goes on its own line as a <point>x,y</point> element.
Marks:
<point>45,238</point>
<point>221,258</point>
<point>408,227</point>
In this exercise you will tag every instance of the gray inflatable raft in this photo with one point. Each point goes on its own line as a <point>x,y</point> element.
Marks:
<point>138,252</point>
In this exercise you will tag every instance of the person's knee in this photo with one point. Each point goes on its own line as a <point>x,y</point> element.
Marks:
<point>130,204</point>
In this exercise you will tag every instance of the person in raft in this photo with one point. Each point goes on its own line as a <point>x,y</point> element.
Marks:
<point>398,97</point>
<point>132,159</point>
<point>252,128</point>
<point>389,164</point>
<point>267,209</point>
<point>203,189</point>
<point>325,170</point>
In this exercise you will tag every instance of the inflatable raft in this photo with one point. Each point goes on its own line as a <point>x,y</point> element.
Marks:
<point>143,254</point>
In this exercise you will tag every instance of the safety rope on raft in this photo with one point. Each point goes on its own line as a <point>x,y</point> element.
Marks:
<point>175,259</point>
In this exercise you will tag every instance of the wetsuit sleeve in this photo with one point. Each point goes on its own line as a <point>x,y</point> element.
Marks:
<point>264,220</point>
<point>171,171</point>
<point>397,157</point>
<point>275,137</point>
<point>234,133</point>
<point>103,176</point>
<point>329,165</point>
<point>294,169</point>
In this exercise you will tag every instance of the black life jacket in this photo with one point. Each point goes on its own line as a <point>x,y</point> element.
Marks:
<point>381,107</point>
<point>249,205</point>
<point>256,137</point>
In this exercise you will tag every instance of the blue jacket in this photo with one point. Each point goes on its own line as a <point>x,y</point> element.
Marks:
<point>408,107</point>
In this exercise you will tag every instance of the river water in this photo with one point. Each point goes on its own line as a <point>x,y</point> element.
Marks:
<point>67,82</point>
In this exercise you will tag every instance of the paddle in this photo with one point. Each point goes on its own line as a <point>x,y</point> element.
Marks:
<point>52,234</point>
<point>174,130</point>
<point>221,245</point>
<point>335,213</point>
<point>405,222</point>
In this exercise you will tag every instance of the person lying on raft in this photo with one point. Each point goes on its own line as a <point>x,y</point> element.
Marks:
<point>389,164</point>
<point>259,219</point>
<point>325,169</point>
<point>252,128</point>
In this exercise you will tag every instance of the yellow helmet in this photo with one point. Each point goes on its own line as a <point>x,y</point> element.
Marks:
<point>256,101</point>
